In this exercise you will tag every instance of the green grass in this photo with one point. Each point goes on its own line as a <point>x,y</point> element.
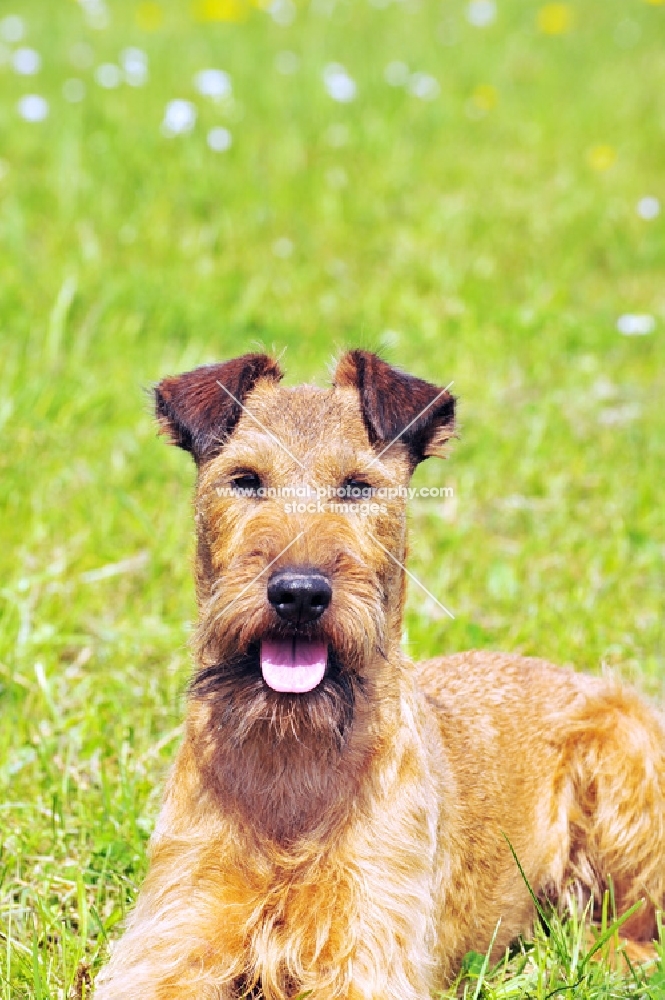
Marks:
<point>488,236</point>
<point>561,961</point>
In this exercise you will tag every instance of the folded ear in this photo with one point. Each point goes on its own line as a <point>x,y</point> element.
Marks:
<point>398,407</point>
<point>198,410</point>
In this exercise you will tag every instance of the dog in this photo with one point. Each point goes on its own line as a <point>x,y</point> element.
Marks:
<point>339,819</point>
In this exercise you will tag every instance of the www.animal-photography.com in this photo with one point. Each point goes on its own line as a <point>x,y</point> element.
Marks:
<point>331,642</point>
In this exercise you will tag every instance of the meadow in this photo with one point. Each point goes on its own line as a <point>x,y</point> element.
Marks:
<point>476,190</point>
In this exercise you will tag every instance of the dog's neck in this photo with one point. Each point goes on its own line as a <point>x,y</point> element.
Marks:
<point>295,785</point>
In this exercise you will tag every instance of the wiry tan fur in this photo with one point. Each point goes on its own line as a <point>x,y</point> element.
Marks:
<point>360,854</point>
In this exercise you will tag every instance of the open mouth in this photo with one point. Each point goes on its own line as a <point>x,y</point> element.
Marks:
<point>295,683</point>
<point>293,665</point>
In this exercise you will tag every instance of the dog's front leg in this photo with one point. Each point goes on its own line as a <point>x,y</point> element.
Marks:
<point>131,986</point>
<point>153,962</point>
<point>393,987</point>
<point>391,969</point>
<point>182,941</point>
<point>379,918</point>
<point>165,967</point>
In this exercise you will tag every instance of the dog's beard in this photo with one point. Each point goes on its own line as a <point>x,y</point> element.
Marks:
<point>287,762</point>
<point>245,707</point>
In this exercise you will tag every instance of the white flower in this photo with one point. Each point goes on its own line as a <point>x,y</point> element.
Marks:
<point>12,28</point>
<point>219,139</point>
<point>81,56</point>
<point>73,90</point>
<point>134,63</point>
<point>33,107</point>
<point>424,86</point>
<point>283,12</point>
<point>396,74</point>
<point>108,75</point>
<point>337,177</point>
<point>619,414</point>
<point>481,13</point>
<point>282,247</point>
<point>96,13</point>
<point>337,134</point>
<point>215,83</point>
<point>287,62</point>
<point>636,324</point>
<point>179,118</point>
<point>648,207</point>
<point>338,83</point>
<point>26,61</point>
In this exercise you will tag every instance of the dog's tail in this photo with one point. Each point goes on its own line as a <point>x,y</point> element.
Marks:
<point>615,753</point>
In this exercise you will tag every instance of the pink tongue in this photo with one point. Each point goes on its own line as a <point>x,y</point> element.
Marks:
<point>294,665</point>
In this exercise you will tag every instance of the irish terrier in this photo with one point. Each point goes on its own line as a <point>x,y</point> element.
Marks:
<point>338,819</point>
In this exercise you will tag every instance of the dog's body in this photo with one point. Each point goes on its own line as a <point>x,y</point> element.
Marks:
<point>338,819</point>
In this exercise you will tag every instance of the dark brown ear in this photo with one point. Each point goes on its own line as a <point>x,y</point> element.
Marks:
<point>198,410</point>
<point>396,406</point>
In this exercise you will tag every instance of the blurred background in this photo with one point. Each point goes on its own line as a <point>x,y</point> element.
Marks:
<point>473,188</point>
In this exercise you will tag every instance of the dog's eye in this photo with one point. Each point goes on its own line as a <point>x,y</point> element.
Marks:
<point>357,487</point>
<point>246,483</point>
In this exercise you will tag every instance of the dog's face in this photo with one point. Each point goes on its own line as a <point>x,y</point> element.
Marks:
<point>300,511</point>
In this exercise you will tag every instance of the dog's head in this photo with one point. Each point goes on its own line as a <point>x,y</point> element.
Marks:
<point>300,510</point>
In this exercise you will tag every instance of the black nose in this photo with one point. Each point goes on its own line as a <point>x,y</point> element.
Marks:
<point>299,595</point>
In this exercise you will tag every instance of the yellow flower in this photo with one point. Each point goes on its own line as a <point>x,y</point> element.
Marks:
<point>485,97</point>
<point>149,16</point>
<point>656,3</point>
<point>555,18</point>
<point>601,158</point>
<point>220,10</point>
